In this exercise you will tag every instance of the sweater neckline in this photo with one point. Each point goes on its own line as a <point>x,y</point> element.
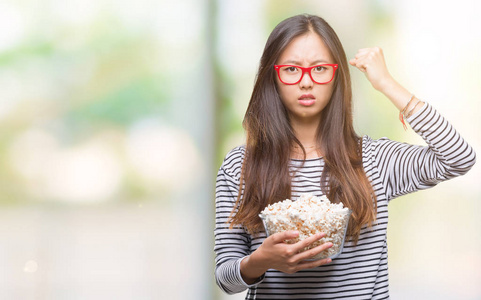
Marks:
<point>308,159</point>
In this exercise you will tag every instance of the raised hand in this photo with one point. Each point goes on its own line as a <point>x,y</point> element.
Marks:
<point>371,62</point>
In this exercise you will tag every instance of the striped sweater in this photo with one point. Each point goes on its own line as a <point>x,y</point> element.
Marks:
<point>361,271</point>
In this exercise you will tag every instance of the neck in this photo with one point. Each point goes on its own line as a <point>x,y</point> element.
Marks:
<point>306,132</point>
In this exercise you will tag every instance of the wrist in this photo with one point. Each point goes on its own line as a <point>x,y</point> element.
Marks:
<point>385,85</point>
<point>252,267</point>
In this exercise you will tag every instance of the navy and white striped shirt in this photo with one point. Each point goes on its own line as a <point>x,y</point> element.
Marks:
<point>361,271</point>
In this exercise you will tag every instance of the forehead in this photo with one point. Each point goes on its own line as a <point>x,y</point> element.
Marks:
<point>306,49</point>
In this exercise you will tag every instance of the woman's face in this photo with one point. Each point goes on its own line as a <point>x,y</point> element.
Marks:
<point>305,100</point>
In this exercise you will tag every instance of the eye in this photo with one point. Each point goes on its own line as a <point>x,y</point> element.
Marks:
<point>319,68</point>
<point>291,69</point>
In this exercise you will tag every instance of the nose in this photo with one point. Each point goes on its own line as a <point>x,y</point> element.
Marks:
<point>306,81</point>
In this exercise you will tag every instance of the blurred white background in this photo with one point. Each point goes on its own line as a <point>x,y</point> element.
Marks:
<point>115,116</point>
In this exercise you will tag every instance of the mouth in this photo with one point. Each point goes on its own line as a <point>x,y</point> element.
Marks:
<point>307,100</point>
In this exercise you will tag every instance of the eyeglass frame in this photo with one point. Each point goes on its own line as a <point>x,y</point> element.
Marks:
<point>304,71</point>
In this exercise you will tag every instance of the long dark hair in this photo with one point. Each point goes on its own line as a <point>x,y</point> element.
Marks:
<point>270,137</point>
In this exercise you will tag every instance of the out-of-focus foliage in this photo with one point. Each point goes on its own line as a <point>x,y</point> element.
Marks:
<point>73,87</point>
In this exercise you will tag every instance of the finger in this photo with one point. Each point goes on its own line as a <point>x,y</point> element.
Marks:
<point>364,57</point>
<point>356,61</point>
<point>280,237</point>
<point>299,246</point>
<point>308,254</point>
<point>313,264</point>
<point>363,62</point>
<point>362,53</point>
<point>374,54</point>
<point>360,60</point>
<point>364,50</point>
<point>352,62</point>
<point>360,65</point>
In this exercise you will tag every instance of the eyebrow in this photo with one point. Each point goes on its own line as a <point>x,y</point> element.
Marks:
<point>295,62</point>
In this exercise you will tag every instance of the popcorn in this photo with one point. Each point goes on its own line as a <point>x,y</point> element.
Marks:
<point>309,215</point>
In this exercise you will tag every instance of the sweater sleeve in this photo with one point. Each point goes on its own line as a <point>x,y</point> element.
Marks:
<point>232,245</point>
<point>405,168</point>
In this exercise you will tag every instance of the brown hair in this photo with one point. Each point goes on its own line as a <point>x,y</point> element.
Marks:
<point>265,170</point>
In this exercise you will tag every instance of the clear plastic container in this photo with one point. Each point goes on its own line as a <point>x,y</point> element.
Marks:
<point>335,232</point>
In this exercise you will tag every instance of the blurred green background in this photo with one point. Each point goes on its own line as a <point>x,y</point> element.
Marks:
<point>115,116</point>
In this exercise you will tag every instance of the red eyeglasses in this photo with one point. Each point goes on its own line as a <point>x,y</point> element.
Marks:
<point>320,74</point>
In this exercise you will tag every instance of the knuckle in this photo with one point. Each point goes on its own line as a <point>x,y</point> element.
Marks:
<point>306,242</point>
<point>314,252</point>
<point>291,262</point>
<point>279,235</point>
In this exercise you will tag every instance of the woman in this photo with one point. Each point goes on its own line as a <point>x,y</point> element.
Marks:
<point>300,139</point>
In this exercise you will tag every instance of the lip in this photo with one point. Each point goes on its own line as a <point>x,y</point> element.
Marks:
<point>307,100</point>
<point>307,97</point>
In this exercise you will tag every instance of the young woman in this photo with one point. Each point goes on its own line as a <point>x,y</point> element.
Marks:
<point>300,139</point>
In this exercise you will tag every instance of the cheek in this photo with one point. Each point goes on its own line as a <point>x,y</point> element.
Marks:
<point>327,91</point>
<point>288,98</point>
